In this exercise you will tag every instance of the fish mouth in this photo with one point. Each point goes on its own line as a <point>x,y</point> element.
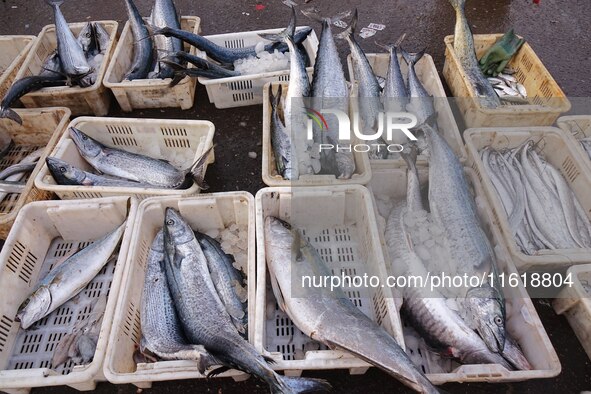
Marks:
<point>493,338</point>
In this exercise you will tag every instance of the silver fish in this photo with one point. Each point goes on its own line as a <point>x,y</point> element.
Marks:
<point>71,55</point>
<point>330,91</point>
<point>464,50</point>
<point>323,316</point>
<point>30,158</point>
<point>421,102</point>
<point>135,167</point>
<point>164,14</point>
<point>203,315</point>
<point>142,44</point>
<point>227,280</point>
<point>452,205</point>
<point>67,279</point>
<point>281,140</point>
<point>20,168</point>
<point>162,333</point>
<point>51,66</point>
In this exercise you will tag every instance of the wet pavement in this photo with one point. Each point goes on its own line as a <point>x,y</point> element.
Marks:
<point>559,32</point>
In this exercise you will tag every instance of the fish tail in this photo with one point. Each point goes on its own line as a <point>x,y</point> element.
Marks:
<point>350,30</point>
<point>410,157</point>
<point>274,99</point>
<point>458,5</point>
<point>412,58</point>
<point>9,113</point>
<point>289,384</point>
<point>286,34</point>
<point>197,170</point>
<point>54,3</point>
<point>391,47</point>
<point>314,14</point>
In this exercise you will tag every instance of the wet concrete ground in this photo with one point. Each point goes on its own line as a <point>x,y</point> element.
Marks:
<point>559,31</point>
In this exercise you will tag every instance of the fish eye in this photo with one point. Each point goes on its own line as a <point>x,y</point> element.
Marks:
<point>498,320</point>
<point>62,169</point>
<point>170,222</point>
<point>84,137</point>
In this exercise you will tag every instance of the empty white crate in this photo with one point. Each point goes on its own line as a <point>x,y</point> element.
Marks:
<point>248,89</point>
<point>205,213</point>
<point>181,142</point>
<point>340,223</point>
<point>43,233</point>
<point>427,74</point>
<point>522,321</point>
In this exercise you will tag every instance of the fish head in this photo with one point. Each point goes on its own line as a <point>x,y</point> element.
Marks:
<point>64,173</point>
<point>278,233</point>
<point>490,316</point>
<point>35,307</point>
<point>176,230</point>
<point>87,146</point>
<point>86,37</point>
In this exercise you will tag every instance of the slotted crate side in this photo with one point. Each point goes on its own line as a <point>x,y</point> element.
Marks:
<point>560,153</point>
<point>181,142</point>
<point>576,128</point>
<point>427,74</point>
<point>246,90</point>
<point>149,93</point>
<point>549,101</point>
<point>523,322</point>
<point>346,239</point>
<point>574,302</point>
<point>92,100</point>
<point>214,211</point>
<point>44,234</point>
<point>40,128</point>
<point>272,178</point>
<point>13,51</point>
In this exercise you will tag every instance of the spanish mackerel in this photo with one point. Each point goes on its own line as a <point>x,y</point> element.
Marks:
<point>281,139</point>
<point>330,91</point>
<point>229,55</point>
<point>164,15</point>
<point>204,316</point>
<point>452,205</point>
<point>323,317</point>
<point>141,63</point>
<point>464,51</point>
<point>67,279</point>
<point>162,333</point>
<point>135,167</point>
<point>72,57</point>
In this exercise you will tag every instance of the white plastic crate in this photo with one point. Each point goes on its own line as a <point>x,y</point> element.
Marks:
<point>92,100</point>
<point>427,74</point>
<point>271,177</point>
<point>205,212</point>
<point>523,322</point>
<point>339,221</point>
<point>43,234</point>
<point>41,128</point>
<point>559,152</point>
<point>574,302</point>
<point>577,127</point>
<point>148,93</point>
<point>247,89</point>
<point>181,142</point>
<point>13,50</point>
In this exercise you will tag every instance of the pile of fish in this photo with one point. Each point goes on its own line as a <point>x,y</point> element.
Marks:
<point>11,178</point>
<point>508,88</point>
<point>119,168</point>
<point>466,323</point>
<point>76,61</point>
<point>323,316</point>
<point>63,283</point>
<point>158,49</point>
<point>192,308</point>
<point>542,209</point>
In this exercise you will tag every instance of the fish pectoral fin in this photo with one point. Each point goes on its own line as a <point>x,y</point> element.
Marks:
<point>217,371</point>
